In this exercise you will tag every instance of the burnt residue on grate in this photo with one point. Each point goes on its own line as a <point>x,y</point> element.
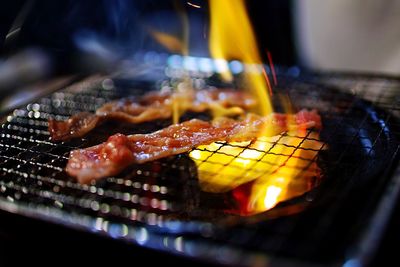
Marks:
<point>361,138</point>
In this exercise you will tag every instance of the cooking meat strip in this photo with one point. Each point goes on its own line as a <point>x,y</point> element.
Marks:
<point>151,106</point>
<point>120,151</point>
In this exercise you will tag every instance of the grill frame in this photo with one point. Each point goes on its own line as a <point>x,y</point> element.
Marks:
<point>157,237</point>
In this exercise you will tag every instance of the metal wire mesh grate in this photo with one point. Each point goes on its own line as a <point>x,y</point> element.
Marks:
<point>359,141</point>
<point>33,167</point>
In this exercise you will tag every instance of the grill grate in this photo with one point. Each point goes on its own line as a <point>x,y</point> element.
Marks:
<point>160,205</point>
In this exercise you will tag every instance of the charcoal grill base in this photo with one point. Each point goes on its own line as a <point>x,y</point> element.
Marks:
<point>362,139</point>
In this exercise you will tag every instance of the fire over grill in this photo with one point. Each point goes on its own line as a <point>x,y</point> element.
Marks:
<point>159,204</point>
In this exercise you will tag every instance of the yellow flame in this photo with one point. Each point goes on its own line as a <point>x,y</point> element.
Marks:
<point>172,43</point>
<point>185,26</point>
<point>281,167</point>
<point>178,45</point>
<point>271,196</point>
<point>231,37</point>
<point>278,167</point>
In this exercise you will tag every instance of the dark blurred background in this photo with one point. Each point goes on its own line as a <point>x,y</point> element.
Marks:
<point>330,35</point>
<point>64,28</point>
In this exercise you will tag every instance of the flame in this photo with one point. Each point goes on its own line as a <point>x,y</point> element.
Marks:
<point>169,41</point>
<point>178,45</point>
<point>228,40</point>
<point>269,169</point>
<point>271,196</point>
<point>278,167</point>
<point>231,37</point>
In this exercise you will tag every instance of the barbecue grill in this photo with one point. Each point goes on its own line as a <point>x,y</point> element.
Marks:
<point>159,205</point>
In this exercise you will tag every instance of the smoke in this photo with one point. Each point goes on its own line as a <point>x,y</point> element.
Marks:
<point>96,35</point>
<point>117,29</point>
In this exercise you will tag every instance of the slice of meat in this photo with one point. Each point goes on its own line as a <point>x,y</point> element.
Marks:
<point>76,126</point>
<point>153,105</point>
<point>120,151</point>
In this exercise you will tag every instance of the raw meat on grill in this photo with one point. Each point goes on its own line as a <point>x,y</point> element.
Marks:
<point>120,151</point>
<point>152,106</point>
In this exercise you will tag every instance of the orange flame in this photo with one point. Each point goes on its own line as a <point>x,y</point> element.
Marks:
<point>177,45</point>
<point>172,43</point>
<point>277,168</point>
<point>270,169</point>
<point>232,37</point>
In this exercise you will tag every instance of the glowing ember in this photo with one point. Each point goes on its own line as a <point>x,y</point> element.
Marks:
<point>193,5</point>
<point>271,65</point>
